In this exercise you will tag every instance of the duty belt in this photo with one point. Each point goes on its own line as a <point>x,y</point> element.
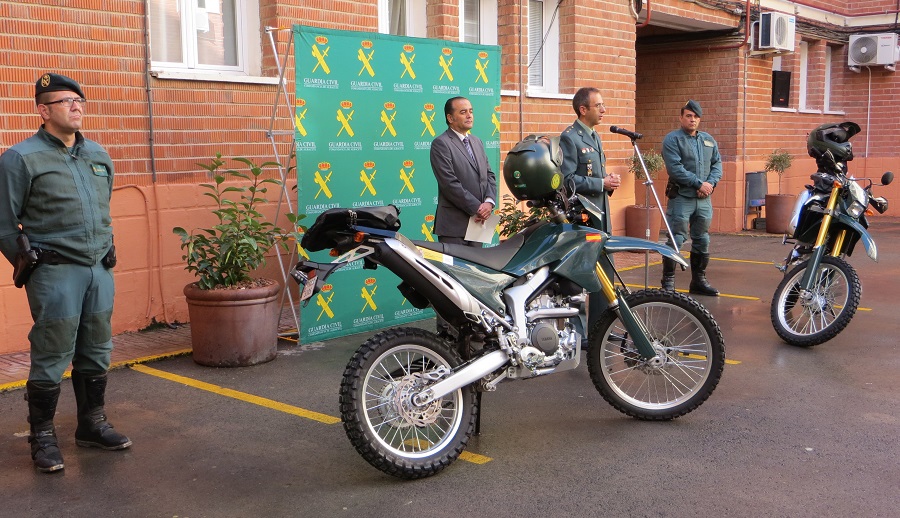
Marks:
<point>52,257</point>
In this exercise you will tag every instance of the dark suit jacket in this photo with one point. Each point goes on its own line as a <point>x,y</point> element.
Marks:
<point>585,164</point>
<point>462,184</point>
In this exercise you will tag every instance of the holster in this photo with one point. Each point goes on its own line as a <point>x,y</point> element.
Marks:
<point>25,262</point>
<point>671,189</point>
<point>109,260</point>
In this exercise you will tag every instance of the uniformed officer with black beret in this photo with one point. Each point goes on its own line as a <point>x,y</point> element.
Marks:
<point>584,166</point>
<point>695,167</point>
<point>55,189</point>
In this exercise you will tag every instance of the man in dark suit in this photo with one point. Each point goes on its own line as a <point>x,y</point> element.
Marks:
<point>584,165</point>
<point>466,185</point>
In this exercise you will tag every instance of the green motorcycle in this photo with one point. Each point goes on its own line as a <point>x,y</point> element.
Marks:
<point>409,397</point>
<point>820,293</point>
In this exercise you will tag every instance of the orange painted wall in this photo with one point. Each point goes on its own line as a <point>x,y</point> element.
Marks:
<point>101,44</point>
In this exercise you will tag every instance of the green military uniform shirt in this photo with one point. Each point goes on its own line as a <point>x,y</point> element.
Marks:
<point>60,196</point>
<point>584,163</point>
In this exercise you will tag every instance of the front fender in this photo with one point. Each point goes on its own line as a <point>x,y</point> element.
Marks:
<point>865,237</point>
<point>632,244</point>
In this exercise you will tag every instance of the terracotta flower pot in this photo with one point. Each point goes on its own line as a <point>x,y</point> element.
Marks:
<point>778,212</point>
<point>234,327</point>
<point>636,222</point>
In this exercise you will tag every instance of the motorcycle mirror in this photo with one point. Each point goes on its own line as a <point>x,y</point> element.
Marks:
<point>887,178</point>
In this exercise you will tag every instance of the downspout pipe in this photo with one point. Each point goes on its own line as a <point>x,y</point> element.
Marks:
<point>150,134</point>
<point>647,21</point>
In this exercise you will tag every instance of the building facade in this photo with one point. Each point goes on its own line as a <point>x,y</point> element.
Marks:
<point>171,83</point>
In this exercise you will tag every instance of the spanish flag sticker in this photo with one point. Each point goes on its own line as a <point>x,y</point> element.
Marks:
<point>592,237</point>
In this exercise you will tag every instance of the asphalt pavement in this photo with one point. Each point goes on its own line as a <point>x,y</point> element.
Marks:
<point>788,432</point>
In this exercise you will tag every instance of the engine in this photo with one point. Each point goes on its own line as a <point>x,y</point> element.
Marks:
<point>551,337</point>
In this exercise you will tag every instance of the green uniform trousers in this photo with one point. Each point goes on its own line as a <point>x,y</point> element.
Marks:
<point>690,217</point>
<point>71,306</point>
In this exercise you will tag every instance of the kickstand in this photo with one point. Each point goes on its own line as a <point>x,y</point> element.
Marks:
<point>478,409</point>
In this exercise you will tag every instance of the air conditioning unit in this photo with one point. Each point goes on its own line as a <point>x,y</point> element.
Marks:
<point>776,31</point>
<point>873,49</point>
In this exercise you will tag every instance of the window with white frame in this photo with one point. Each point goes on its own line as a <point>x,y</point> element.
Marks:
<point>478,21</point>
<point>826,103</point>
<point>543,46</point>
<point>804,75</point>
<point>402,18</point>
<point>204,35</point>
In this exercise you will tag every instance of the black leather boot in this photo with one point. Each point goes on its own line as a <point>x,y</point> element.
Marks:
<point>42,397</point>
<point>94,431</point>
<point>699,284</point>
<point>668,278</point>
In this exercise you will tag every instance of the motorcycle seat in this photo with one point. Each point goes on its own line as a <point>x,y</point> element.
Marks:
<point>495,257</point>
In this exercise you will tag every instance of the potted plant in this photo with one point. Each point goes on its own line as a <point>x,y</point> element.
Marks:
<point>513,219</point>
<point>234,316</point>
<point>636,216</point>
<point>778,206</point>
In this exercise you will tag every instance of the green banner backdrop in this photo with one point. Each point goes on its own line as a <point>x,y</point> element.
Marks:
<point>367,107</point>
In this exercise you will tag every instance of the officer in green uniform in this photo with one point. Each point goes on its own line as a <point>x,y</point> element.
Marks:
<point>55,189</point>
<point>584,166</point>
<point>695,167</point>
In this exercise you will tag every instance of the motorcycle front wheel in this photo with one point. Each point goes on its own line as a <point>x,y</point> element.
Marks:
<point>688,342</point>
<point>808,319</point>
<point>384,425</point>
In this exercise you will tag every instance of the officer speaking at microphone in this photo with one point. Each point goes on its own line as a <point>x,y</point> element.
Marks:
<point>56,230</point>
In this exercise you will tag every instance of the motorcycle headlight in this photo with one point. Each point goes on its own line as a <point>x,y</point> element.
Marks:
<point>859,200</point>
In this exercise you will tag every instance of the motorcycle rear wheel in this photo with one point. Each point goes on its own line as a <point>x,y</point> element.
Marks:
<point>826,312</point>
<point>693,357</point>
<point>386,428</point>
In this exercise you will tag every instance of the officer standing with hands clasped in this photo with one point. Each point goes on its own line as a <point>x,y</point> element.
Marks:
<point>56,230</point>
<point>584,165</point>
<point>695,167</point>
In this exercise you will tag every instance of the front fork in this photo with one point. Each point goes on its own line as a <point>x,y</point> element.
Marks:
<point>634,326</point>
<point>818,252</point>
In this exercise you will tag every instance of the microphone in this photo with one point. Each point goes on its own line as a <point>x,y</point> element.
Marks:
<point>622,131</point>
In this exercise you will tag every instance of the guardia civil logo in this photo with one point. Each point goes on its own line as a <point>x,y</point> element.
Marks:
<point>300,114</point>
<point>407,57</point>
<point>427,119</point>
<point>344,116</point>
<point>481,63</point>
<point>321,42</point>
<point>365,54</point>
<point>406,175</point>
<point>322,177</point>
<point>388,120</point>
<point>367,177</point>
<point>426,228</point>
<point>368,294</point>
<point>495,120</point>
<point>323,300</point>
<point>445,60</point>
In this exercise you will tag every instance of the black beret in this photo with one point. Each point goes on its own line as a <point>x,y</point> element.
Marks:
<point>694,106</point>
<point>50,82</point>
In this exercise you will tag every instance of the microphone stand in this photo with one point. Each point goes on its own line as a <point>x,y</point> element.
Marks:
<point>649,188</point>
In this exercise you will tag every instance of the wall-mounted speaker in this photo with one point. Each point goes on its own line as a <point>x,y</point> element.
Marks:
<point>781,89</point>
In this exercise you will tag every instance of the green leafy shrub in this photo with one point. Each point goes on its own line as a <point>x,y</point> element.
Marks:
<point>224,255</point>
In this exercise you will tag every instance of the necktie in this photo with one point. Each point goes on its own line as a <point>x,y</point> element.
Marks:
<point>469,149</point>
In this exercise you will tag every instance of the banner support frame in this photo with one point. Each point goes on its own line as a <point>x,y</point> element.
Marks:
<point>283,167</point>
